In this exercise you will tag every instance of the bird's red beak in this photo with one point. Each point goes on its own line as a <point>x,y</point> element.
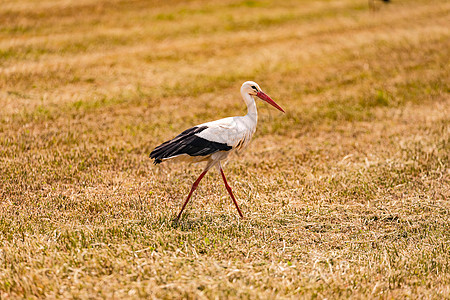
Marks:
<point>266,98</point>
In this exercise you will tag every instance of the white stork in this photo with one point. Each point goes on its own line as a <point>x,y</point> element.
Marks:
<point>213,142</point>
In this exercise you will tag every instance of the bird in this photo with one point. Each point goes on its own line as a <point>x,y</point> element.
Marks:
<point>213,142</point>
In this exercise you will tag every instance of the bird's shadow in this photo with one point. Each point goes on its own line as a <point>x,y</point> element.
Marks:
<point>188,222</point>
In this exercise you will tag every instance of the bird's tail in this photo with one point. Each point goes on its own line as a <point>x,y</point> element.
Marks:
<point>165,150</point>
<point>176,146</point>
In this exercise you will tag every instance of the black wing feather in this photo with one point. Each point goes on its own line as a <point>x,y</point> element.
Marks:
<point>187,143</point>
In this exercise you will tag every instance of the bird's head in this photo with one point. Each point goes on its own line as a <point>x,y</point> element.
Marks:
<point>253,89</point>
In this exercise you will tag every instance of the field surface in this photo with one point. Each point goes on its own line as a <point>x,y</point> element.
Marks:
<point>345,195</point>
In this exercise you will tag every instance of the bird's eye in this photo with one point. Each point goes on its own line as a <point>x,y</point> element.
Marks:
<point>254,87</point>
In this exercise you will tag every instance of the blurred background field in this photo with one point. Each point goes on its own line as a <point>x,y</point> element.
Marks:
<point>345,195</point>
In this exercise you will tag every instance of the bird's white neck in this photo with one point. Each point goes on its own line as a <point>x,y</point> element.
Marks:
<point>252,113</point>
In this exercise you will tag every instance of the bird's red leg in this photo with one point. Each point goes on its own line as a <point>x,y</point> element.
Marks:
<point>194,186</point>
<point>230,192</point>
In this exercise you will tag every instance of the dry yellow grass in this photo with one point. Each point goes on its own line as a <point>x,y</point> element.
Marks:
<point>346,195</point>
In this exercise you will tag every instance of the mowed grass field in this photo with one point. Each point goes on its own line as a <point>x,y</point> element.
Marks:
<point>345,195</point>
